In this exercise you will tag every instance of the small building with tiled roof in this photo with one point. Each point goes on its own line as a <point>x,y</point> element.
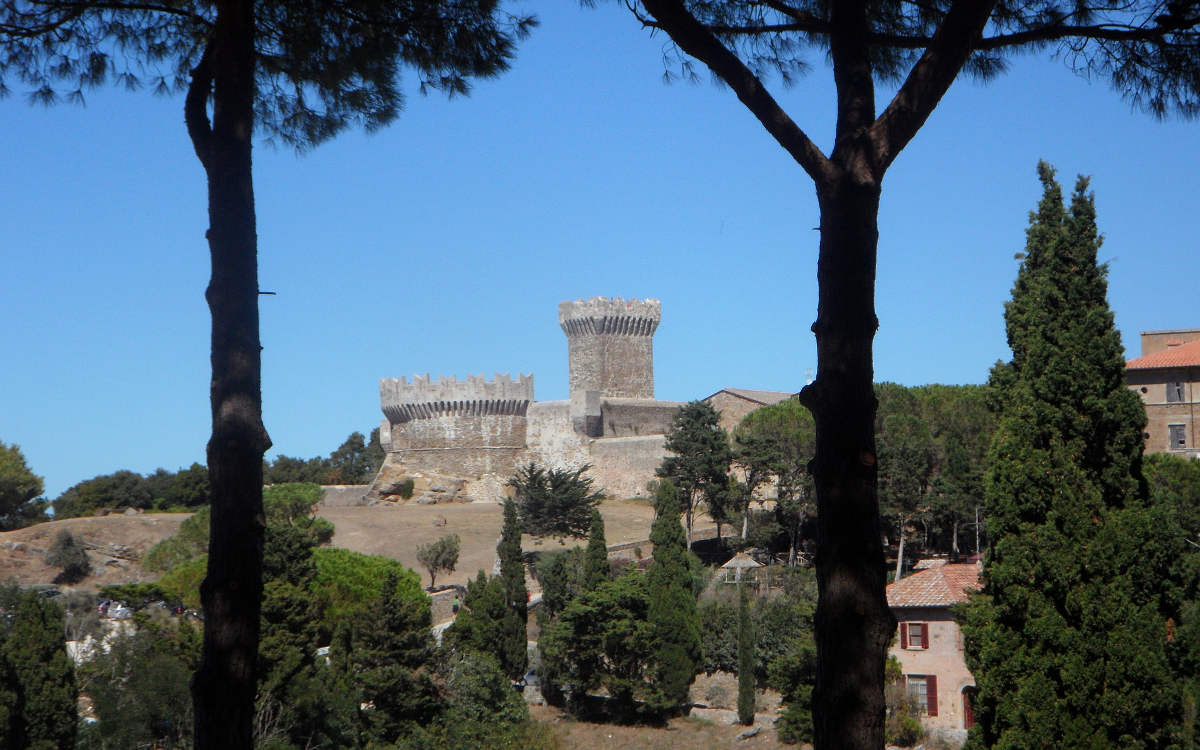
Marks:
<point>735,403</point>
<point>929,644</point>
<point>1167,378</point>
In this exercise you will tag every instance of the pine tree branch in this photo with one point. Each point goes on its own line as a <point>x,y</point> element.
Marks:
<point>195,107</point>
<point>929,79</point>
<point>694,39</point>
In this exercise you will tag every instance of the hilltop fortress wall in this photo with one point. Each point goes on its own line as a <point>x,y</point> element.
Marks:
<point>478,432</point>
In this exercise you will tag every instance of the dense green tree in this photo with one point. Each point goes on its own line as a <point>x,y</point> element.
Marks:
<point>382,653</point>
<point>348,464</point>
<point>777,442</point>
<point>186,488</point>
<point>438,555</point>
<point>1083,579</point>
<point>602,639</point>
<point>189,543</point>
<point>595,561</point>
<point>747,659</point>
<point>298,703</point>
<point>21,500</point>
<point>139,688</point>
<point>478,626</point>
<point>1174,482</point>
<point>561,575</point>
<point>68,553</point>
<point>374,453</point>
<point>348,581</point>
<point>514,646</point>
<point>121,489</point>
<point>962,426</point>
<point>672,617</point>
<point>285,469</point>
<point>554,502</point>
<point>699,467</point>
<point>913,51</point>
<point>906,470</point>
<point>38,698</point>
<point>302,77</point>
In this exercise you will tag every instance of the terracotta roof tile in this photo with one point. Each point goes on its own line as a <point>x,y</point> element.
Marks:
<point>1184,355</point>
<point>938,586</point>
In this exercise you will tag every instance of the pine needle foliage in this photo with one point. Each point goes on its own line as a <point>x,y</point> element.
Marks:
<point>321,67</point>
<point>1069,643</point>
<point>555,502</point>
<point>699,467</point>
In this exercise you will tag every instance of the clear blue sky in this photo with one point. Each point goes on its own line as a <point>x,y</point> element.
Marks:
<point>444,243</point>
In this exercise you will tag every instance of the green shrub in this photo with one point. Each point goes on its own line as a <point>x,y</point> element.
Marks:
<point>349,580</point>
<point>135,595</point>
<point>190,542</point>
<point>68,553</point>
<point>903,729</point>
<point>182,582</point>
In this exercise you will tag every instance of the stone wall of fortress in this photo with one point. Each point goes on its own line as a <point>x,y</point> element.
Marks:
<point>478,432</point>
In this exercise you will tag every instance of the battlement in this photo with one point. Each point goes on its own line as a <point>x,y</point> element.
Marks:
<point>609,316</point>
<point>425,398</point>
<point>610,344</point>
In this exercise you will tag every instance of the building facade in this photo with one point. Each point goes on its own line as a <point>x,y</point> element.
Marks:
<point>929,645</point>
<point>1167,378</point>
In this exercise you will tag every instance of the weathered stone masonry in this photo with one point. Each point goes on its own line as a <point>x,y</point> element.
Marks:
<point>481,431</point>
<point>458,427</point>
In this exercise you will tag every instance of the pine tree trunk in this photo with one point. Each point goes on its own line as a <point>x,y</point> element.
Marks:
<point>900,554</point>
<point>853,624</point>
<point>224,685</point>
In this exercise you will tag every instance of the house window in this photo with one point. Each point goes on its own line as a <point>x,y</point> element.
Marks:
<point>914,635</point>
<point>1175,391</point>
<point>1178,437</point>
<point>922,692</point>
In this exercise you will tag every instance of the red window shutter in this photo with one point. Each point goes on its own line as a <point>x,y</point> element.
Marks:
<point>931,694</point>
<point>925,635</point>
<point>904,635</point>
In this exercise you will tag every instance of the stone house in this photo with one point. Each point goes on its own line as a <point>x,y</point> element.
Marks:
<point>929,644</point>
<point>1167,378</point>
<point>736,403</point>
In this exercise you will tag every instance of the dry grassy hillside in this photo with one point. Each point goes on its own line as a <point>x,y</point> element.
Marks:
<point>116,543</point>
<point>115,546</point>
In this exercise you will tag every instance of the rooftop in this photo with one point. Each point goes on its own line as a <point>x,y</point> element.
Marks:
<point>766,398</point>
<point>937,586</point>
<point>1182,355</point>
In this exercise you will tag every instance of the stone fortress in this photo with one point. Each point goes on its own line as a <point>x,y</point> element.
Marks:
<point>462,439</point>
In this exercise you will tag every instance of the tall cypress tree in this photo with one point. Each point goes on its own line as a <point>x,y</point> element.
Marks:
<point>674,623</point>
<point>1069,642</point>
<point>747,657</point>
<point>595,561</point>
<point>514,650</point>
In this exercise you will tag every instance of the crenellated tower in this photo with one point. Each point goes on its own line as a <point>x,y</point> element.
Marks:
<point>611,345</point>
<point>460,427</point>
